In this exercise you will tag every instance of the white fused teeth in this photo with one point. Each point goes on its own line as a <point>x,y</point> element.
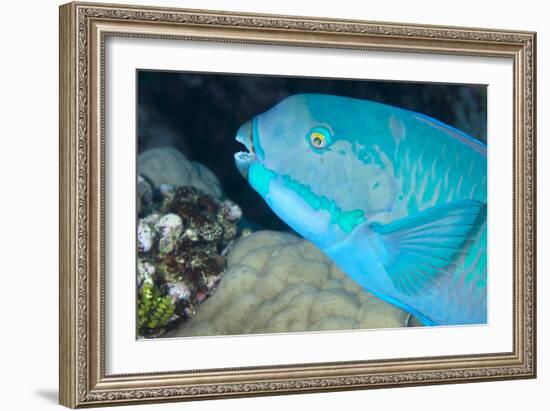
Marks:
<point>244,155</point>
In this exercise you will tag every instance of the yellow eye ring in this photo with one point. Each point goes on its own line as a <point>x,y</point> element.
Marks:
<point>317,140</point>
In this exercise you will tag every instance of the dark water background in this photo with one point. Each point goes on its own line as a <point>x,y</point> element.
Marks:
<point>199,115</point>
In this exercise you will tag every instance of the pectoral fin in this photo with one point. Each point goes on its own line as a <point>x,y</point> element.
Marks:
<point>419,250</point>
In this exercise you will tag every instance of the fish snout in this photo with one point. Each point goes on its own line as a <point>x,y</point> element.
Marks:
<point>244,159</point>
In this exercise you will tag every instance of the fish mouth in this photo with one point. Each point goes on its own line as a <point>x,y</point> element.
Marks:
<point>244,159</point>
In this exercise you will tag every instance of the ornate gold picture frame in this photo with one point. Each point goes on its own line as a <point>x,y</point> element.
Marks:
<point>85,28</point>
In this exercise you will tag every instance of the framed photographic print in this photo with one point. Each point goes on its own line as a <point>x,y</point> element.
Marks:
<point>259,204</point>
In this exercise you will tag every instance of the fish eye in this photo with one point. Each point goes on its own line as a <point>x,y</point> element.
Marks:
<point>319,138</point>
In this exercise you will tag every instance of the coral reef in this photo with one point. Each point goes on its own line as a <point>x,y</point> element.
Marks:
<point>166,165</point>
<point>181,255</point>
<point>277,282</point>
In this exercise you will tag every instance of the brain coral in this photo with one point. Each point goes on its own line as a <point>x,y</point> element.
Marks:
<point>166,165</point>
<point>277,282</point>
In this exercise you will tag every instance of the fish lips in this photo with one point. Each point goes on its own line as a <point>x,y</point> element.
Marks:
<point>244,159</point>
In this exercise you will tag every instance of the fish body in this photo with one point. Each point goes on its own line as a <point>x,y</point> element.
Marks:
<point>395,198</point>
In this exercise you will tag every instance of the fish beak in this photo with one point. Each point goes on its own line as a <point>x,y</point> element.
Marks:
<point>244,159</point>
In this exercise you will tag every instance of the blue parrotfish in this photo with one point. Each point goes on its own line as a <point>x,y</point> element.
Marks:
<point>396,199</point>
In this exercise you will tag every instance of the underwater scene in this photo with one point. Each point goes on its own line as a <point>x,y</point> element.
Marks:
<point>270,204</point>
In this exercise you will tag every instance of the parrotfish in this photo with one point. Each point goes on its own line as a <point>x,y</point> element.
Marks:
<point>397,199</point>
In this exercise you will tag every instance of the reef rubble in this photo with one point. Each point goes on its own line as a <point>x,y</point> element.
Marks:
<point>181,255</point>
